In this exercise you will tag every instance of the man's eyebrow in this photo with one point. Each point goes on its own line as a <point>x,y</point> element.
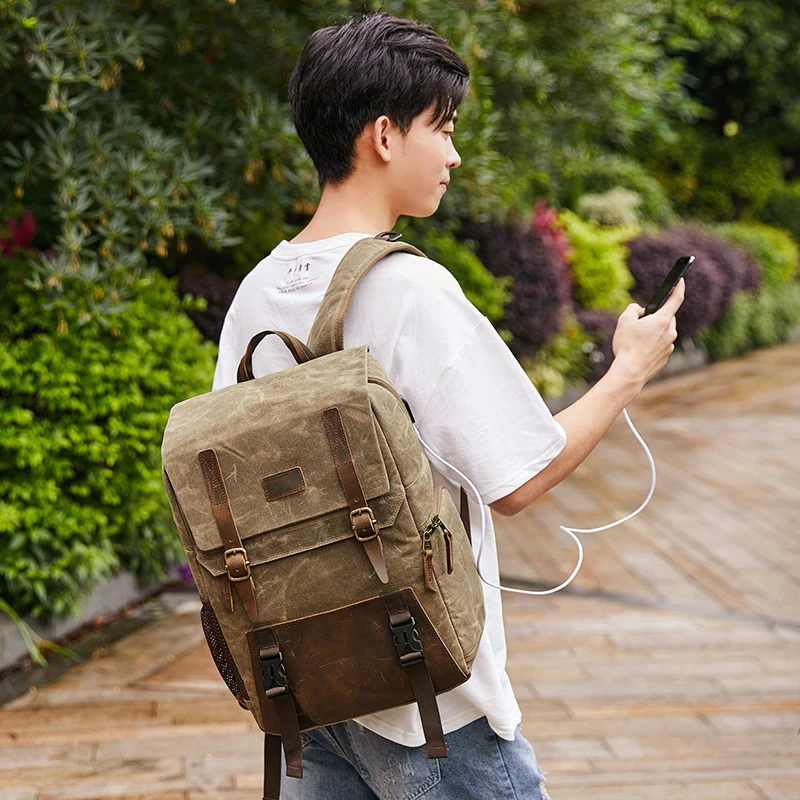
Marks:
<point>454,119</point>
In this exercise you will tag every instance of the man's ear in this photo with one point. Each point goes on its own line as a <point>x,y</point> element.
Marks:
<point>378,135</point>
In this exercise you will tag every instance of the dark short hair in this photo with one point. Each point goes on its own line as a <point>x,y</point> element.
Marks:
<point>349,75</point>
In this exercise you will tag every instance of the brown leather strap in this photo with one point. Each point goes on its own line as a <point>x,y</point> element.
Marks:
<point>290,735</point>
<point>272,767</point>
<point>235,555</point>
<point>412,656</point>
<point>364,524</point>
<point>273,685</point>
<point>464,511</point>
<point>300,352</point>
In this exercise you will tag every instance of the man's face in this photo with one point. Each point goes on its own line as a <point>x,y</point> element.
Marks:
<point>420,166</point>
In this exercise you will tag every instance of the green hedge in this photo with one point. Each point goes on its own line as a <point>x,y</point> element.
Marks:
<point>602,279</point>
<point>81,421</point>
<point>755,319</point>
<point>773,249</point>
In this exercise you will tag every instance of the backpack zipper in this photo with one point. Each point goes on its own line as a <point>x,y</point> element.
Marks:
<point>427,541</point>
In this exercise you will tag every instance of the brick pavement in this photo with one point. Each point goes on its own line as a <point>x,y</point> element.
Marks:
<point>672,671</point>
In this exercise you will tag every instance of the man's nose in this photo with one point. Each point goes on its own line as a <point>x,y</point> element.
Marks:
<point>455,159</point>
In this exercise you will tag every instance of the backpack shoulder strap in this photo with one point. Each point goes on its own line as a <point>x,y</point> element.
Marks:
<point>327,332</point>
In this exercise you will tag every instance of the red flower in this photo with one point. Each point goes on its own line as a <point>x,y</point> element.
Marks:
<point>21,234</point>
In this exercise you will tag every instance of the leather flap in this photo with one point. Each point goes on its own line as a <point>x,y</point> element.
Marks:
<point>268,426</point>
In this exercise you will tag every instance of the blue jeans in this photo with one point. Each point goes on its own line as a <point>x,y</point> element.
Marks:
<point>348,762</point>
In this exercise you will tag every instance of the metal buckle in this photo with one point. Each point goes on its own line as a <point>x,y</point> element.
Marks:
<point>407,642</point>
<point>372,521</point>
<point>389,236</point>
<point>230,552</point>
<point>273,674</point>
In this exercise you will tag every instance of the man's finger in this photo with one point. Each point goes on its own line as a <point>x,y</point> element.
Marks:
<point>673,302</point>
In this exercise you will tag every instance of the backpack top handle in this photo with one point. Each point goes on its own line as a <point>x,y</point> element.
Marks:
<point>300,352</point>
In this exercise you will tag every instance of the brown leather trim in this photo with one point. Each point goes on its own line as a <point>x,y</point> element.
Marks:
<point>362,673</point>
<point>300,352</point>
<point>236,562</point>
<point>282,484</point>
<point>348,477</point>
<point>263,641</point>
<point>420,678</point>
<point>272,767</point>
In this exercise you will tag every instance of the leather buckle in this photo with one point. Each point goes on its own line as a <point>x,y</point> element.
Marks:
<point>273,674</point>
<point>407,642</point>
<point>227,554</point>
<point>373,523</point>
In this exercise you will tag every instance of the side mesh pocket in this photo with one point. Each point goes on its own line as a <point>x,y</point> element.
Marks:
<point>222,655</point>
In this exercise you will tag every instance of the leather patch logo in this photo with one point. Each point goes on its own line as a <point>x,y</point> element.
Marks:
<point>284,483</point>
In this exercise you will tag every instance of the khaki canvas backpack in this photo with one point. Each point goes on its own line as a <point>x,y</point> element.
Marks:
<point>336,579</point>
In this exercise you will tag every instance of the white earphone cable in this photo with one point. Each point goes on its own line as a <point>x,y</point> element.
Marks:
<point>571,531</point>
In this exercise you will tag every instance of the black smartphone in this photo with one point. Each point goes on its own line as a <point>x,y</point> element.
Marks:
<point>663,291</point>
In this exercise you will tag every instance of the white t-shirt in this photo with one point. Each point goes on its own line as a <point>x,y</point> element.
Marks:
<point>472,402</point>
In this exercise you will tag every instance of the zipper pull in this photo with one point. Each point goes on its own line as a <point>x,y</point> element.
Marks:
<point>448,539</point>
<point>427,557</point>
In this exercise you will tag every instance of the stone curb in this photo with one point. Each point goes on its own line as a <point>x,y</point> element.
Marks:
<point>107,599</point>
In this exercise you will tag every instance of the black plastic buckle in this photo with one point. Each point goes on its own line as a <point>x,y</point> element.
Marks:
<point>273,675</point>
<point>390,236</point>
<point>407,642</point>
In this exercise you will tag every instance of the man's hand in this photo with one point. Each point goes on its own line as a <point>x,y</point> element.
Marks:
<point>642,344</point>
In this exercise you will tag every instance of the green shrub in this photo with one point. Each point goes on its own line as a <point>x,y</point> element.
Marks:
<point>83,410</point>
<point>602,279</point>
<point>773,249</point>
<point>730,335</point>
<point>605,172</point>
<point>783,208</point>
<point>617,206</point>
<point>754,320</point>
<point>489,293</point>
<point>563,362</point>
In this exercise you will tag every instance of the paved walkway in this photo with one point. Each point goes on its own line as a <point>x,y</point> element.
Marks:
<point>670,671</point>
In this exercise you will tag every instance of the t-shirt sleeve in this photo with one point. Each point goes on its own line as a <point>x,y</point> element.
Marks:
<point>487,419</point>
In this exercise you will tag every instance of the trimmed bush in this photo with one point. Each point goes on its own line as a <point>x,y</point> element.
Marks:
<point>755,319</point>
<point>773,249</point>
<point>81,420</point>
<point>601,276</point>
<point>534,314</point>
<point>607,172</point>
<point>617,206</point>
<point>720,270</point>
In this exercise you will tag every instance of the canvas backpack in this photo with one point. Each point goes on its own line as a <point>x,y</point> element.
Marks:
<point>336,579</point>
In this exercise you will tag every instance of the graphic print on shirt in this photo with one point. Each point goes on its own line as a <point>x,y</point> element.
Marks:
<point>298,279</point>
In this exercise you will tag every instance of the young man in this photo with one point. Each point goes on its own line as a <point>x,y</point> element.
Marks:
<point>374,101</point>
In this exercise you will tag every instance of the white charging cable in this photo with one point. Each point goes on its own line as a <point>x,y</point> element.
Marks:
<point>570,531</point>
